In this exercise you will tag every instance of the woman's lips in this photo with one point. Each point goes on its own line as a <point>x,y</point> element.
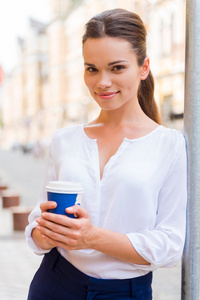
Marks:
<point>107,95</point>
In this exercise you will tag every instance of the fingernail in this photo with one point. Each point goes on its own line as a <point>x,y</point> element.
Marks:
<point>70,209</point>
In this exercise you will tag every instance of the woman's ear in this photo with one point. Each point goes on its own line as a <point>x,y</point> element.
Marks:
<point>145,69</point>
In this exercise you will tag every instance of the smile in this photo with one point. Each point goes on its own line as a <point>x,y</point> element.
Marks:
<point>107,95</point>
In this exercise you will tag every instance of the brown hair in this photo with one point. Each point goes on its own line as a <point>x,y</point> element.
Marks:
<point>127,25</point>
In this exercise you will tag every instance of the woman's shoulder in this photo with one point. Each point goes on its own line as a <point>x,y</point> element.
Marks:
<point>171,132</point>
<point>171,137</point>
<point>74,129</point>
<point>69,131</point>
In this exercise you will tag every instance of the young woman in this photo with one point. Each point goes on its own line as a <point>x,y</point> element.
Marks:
<point>132,216</point>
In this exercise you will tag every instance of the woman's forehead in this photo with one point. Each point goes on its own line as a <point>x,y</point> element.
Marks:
<point>107,48</point>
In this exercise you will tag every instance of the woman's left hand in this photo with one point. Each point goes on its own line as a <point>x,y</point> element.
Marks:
<point>65,232</point>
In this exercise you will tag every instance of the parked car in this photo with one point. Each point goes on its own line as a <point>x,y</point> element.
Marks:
<point>27,148</point>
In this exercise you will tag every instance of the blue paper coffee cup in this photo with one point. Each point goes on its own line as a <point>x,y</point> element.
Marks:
<point>65,194</point>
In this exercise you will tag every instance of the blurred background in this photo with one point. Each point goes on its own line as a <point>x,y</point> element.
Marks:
<point>42,89</point>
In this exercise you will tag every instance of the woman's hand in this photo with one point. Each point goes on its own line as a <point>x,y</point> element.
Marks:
<point>36,233</point>
<point>65,232</point>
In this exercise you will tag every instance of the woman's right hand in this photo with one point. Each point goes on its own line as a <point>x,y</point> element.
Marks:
<point>36,234</point>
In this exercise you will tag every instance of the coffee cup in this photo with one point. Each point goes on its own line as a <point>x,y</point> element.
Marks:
<point>65,194</point>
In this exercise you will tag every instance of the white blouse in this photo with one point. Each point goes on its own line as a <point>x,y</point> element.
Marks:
<point>142,194</point>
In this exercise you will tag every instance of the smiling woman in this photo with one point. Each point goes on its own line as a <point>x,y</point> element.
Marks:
<point>132,216</point>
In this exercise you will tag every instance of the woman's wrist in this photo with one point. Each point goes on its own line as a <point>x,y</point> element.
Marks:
<point>94,238</point>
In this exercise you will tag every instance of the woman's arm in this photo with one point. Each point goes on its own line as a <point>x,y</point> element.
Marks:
<point>117,245</point>
<point>79,233</point>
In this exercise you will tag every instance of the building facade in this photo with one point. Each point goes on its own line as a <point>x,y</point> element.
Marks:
<point>167,28</point>
<point>46,91</point>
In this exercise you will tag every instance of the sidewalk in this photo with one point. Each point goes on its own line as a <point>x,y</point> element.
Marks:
<point>17,262</point>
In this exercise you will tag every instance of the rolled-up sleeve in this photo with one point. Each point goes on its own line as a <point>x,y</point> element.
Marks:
<point>163,245</point>
<point>50,174</point>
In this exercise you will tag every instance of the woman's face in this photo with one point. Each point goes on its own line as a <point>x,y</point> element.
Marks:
<point>112,74</point>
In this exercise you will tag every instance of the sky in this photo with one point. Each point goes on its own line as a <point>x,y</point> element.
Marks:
<point>14,16</point>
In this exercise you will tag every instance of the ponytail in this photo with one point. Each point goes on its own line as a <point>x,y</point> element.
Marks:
<point>146,98</point>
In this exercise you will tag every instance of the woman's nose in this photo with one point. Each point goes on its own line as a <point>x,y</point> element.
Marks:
<point>104,81</point>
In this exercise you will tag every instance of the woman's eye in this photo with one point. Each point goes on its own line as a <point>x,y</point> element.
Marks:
<point>118,68</point>
<point>91,69</point>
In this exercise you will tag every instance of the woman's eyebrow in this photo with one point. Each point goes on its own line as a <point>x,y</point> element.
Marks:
<point>87,64</point>
<point>117,62</point>
<point>109,64</point>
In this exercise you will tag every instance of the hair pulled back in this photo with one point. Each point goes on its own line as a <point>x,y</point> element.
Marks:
<point>127,25</point>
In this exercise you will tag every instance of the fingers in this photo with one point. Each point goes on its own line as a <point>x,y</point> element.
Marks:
<point>62,242</point>
<point>78,211</point>
<point>61,220</point>
<point>45,206</point>
<point>58,219</point>
<point>40,241</point>
<point>56,234</point>
<point>46,224</point>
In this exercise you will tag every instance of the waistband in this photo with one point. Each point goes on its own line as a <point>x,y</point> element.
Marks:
<point>57,261</point>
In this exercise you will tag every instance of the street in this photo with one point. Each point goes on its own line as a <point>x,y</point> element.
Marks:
<point>24,173</point>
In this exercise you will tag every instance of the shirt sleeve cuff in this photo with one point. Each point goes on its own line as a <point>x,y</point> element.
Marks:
<point>168,263</point>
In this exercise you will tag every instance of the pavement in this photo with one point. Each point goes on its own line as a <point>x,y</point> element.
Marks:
<point>24,173</point>
<point>17,263</point>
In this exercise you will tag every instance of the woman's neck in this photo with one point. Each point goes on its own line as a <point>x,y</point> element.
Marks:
<point>122,116</point>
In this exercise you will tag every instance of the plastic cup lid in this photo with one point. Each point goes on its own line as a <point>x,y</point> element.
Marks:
<point>64,187</point>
